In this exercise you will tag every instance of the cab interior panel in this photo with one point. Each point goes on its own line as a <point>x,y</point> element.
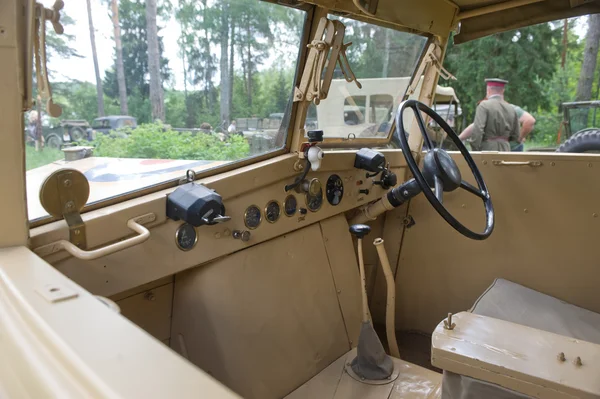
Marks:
<point>357,260</point>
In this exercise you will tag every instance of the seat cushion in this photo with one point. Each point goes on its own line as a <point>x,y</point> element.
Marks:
<point>512,302</point>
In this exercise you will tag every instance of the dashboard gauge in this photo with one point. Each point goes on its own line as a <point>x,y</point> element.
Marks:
<point>314,202</point>
<point>334,190</point>
<point>290,206</point>
<point>272,211</point>
<point>186,237</point>
<point>252,217</point>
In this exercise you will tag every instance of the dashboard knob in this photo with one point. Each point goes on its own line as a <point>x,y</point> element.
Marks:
<point>243,235</point>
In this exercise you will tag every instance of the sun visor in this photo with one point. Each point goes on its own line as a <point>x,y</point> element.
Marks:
<point>518,17</point>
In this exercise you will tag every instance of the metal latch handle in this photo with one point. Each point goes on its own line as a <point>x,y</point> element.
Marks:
<point>143,235</point>
<point>517,163</point>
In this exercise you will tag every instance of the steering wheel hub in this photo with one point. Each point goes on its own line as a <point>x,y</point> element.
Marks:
<point>438,163</point>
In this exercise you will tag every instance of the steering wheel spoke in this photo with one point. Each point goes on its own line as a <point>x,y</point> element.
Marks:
<point>439,189</point>
<point>422,128</point>
<point>473,190</point>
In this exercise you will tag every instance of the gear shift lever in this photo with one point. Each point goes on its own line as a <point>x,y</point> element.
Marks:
<point>371,361</point>
<point>359,231</point>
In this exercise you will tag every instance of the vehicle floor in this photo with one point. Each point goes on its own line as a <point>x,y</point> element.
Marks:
<point>414,346</point>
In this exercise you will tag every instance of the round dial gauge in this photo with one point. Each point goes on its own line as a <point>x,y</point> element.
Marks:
<point>334,190</point>
<point>186,237</point>
<point>290,205</point>
<point>252,217</point>
<point>314,202</point>
<point>272,211</point>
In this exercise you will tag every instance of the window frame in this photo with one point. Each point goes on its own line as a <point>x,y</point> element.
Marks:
<point>351,142</point>
<point>286,146</point>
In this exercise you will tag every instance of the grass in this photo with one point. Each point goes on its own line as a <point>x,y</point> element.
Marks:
<point>35,159</point>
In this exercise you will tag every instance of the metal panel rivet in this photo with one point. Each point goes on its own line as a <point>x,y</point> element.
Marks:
<point>578,362</point>
<point>552,163</point>
<point>526,210</point>
<point>485,162</point>
<point>589,165</point>
<point>595,214</point>
<point>561,357</point>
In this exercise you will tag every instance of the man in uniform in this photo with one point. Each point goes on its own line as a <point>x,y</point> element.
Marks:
<point>496,122</point>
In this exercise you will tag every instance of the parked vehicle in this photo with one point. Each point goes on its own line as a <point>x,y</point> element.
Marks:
<point>68,131</point>
<point>106,124</point>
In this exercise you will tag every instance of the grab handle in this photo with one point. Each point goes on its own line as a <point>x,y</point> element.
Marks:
<point>133,224</point>
<point>517,163</point>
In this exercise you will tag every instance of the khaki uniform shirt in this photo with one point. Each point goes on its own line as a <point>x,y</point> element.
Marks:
<point>496,123</point>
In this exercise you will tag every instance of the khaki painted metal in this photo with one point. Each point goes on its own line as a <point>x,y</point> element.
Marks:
<point>64,194</point>
<point>516,357</point>
<point>13,212</point>
<point>77,346</point>
<point>265,320</point>
<point>230,314</point>
<point>547,226</point>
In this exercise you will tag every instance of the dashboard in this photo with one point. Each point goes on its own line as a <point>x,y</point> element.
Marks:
<point>273,210</point>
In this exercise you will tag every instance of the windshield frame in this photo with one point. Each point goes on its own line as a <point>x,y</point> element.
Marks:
<point>345,142</point>
<point>309,10</point>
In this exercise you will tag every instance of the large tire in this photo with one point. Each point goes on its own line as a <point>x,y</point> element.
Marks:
<point>77,134</point>
<point>53,140</point>
<point>587,141</point>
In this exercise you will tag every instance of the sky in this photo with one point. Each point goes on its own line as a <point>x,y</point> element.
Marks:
<point>83,68</point>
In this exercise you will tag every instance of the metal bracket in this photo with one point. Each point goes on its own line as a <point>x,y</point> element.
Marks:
<point>64,194</point>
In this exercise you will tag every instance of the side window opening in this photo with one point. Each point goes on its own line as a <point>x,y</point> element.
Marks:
<point>222,92</point>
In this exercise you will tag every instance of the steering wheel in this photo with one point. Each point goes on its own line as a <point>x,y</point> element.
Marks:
<point>441,172</point>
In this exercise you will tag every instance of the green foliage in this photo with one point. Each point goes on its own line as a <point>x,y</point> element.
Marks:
<point>35,159</point>
<point>157,141</point>
<point>527,57</point>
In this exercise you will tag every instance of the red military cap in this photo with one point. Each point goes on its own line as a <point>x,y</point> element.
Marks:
<point>496,82</point>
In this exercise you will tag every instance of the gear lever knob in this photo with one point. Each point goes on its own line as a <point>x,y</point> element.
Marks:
<point>360,230</point>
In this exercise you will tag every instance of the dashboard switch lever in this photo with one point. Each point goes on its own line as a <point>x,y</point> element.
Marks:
<point>243,235</point>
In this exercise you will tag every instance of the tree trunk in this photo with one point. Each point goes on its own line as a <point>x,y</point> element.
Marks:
<point>224,68</point>
<point>119,52</point>
<point>386,53</point>
<point>249,68</point>
<point>99,91</point>
<point>157,100</point>
<point>231,64</point>
<point>586,77</point>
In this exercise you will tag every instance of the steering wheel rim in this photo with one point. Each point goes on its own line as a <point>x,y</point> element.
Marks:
<point>436,199</point>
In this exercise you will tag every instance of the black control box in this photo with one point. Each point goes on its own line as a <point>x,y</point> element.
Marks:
<point>195,204</point>
<point>369,160</point>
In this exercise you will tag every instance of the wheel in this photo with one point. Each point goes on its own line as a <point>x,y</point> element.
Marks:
<point>587,140</point>
<point>77,134</point>
<point>440,172</point>
<point>53,140</point>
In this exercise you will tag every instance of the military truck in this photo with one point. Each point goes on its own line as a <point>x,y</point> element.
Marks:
<point>327,266</point>
<point>579,120</point>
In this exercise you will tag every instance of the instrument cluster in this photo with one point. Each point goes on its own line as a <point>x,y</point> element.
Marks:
<point>314,195</point>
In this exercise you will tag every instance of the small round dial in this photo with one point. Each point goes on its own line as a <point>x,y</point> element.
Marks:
<point>186,237</point>
<point>272,211</point>
<point>334,190</point>
<point>252,217</point>
<point>314,202</point>
<point>290,205</point>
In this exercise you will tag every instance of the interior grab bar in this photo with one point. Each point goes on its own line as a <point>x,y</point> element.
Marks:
<point>133,224</point>
<point>516,163</point>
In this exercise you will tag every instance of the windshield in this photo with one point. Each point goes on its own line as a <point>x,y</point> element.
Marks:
<point>383,61</point>
<point>187,85</point>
